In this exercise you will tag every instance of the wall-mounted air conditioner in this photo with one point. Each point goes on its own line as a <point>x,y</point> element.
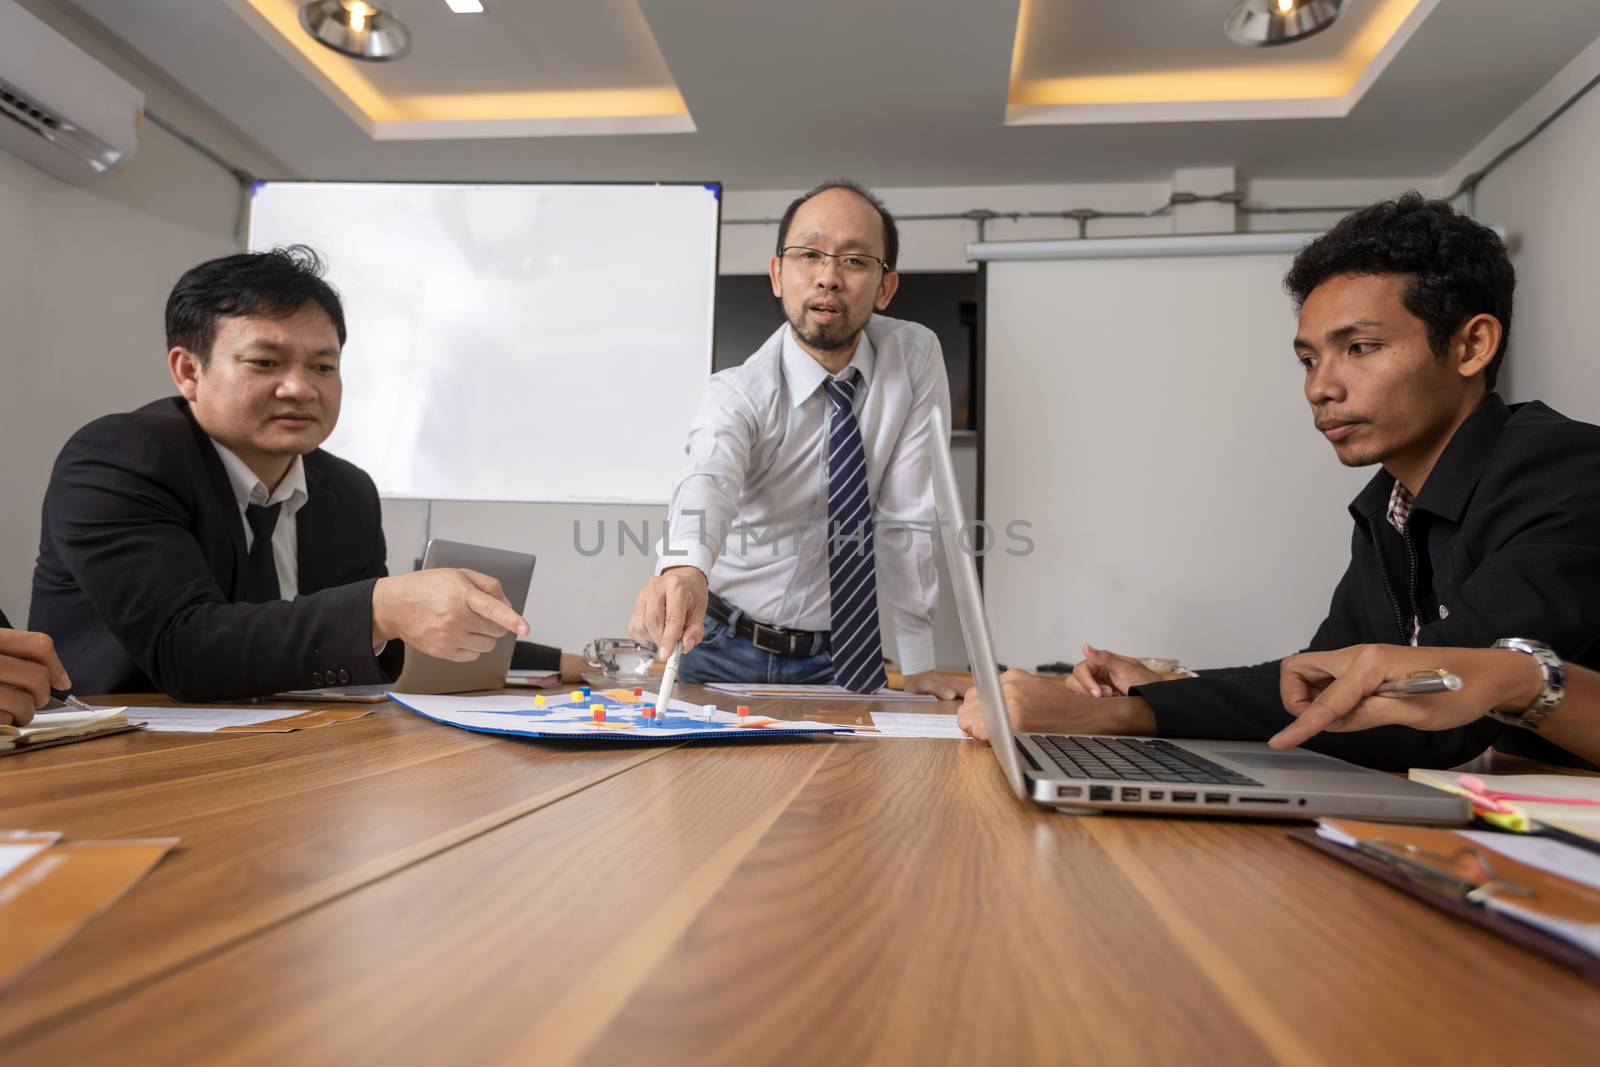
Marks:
<point>60,108</point>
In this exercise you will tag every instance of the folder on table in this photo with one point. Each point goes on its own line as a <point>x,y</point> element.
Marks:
<point>1530,901</point>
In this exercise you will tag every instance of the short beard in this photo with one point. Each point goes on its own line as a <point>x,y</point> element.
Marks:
<point>824,340</point>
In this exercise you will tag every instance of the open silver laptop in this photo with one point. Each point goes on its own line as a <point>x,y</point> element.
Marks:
<point>426,674</point>
<point>1084,773</point>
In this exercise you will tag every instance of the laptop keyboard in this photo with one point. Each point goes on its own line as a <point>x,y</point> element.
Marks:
<point>1134,759</point>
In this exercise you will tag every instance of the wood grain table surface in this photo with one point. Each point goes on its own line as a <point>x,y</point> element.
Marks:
<point>394,891</point>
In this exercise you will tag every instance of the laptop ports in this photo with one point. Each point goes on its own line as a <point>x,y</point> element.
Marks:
<point>1216,798</point>
<point>1099,792</point>
<point>1182,798</point>
<point>1130,795</point>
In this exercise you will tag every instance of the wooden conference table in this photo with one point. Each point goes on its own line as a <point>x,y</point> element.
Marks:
<point>394,891</point>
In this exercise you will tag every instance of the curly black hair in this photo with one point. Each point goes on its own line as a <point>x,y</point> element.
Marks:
<point>277,284</point>
<point>1457,268</point>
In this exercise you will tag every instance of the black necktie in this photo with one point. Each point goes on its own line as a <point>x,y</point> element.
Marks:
<point>261,573</point>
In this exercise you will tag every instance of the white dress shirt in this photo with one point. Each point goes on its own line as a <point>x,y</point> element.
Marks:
<point>757,471</point>
<point>291,493</point>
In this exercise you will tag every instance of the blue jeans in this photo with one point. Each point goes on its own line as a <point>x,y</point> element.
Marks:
<point>724,656</point>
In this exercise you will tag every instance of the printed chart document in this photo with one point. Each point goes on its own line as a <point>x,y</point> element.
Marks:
<point>912,724</point>
<point>604,714</point>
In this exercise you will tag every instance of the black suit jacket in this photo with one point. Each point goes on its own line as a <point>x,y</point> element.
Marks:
<point>1503,541</point>
<point>141,570</point>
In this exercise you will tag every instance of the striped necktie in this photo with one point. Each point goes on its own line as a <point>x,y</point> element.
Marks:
<point>852,581</point>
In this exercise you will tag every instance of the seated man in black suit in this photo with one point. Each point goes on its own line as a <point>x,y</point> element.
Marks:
<point>29,669</point>
<point>205,546</point>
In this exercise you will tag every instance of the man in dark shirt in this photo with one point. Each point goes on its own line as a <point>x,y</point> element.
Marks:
<point>1483,523</point>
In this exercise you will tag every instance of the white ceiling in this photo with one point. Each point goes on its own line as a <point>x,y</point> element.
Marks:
<point>892,92</point>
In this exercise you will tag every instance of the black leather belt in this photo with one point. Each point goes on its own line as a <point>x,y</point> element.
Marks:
<point>776,639</point>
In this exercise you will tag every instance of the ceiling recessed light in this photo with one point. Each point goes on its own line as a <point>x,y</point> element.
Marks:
<point>475,7</point>
<point>356,28</point>
<point>1260,23</point>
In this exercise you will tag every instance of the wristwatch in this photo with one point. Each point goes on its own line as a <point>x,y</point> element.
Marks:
<point>1554,688</point>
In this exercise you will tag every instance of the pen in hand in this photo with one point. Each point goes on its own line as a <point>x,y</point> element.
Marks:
<point>71,701</point>
<point>1419,684</point>
<point>669,677</point>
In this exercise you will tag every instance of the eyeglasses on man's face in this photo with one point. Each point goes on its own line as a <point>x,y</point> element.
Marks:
<point>849,264</point>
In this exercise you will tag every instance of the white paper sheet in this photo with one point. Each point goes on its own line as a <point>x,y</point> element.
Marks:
<point>813,692</point>
<point>14,856</point>
<point>912,724</point>
<point>1552,857</point>
<point>205,720</point>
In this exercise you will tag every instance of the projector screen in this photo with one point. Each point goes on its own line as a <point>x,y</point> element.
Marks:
<point>512,342</point>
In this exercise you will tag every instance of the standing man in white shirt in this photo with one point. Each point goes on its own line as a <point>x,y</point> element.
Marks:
<point>806,508</point>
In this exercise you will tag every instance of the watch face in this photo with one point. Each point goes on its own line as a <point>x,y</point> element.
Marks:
<point>1555,682</point>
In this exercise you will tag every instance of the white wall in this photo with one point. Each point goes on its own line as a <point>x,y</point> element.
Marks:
<point>1544,197</point>
<point>84,276</point>
<point>940,245</point>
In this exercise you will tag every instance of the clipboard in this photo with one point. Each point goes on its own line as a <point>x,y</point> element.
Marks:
<point>1465,899</point>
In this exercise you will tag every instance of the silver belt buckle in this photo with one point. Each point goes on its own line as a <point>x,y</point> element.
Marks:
<point>756,639</point>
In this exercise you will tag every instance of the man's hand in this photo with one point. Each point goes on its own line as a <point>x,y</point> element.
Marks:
<point>572,668</point>
<point>934,684</point>
<point>1103,674</point>
<point>671,607</point>
<point>446,612</point>
<point>1039,705</point>
<point>29,669</point>
<point>1334,691</point>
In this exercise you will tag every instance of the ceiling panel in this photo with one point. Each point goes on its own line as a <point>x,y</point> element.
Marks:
<point>894,92</point>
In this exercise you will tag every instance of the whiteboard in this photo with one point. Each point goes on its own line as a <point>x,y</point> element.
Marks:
<point>512,342</point>
<point>1147,417</point>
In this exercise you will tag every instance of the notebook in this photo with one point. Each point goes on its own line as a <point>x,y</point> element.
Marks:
<point>1528,814</point>
<point>63,727</point>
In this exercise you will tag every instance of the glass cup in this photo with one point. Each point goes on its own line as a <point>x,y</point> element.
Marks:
<point>620,658</point>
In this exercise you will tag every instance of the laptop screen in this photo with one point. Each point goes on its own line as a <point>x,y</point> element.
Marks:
<point>969,604</point>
